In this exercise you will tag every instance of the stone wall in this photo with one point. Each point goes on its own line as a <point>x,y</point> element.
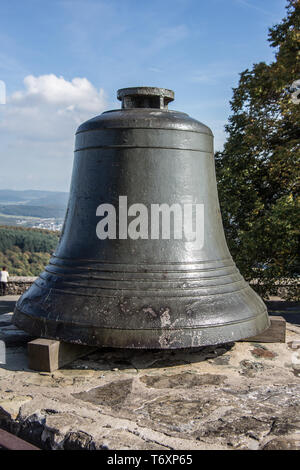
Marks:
<point>17,285</point>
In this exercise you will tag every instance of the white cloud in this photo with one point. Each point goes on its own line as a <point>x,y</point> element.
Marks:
<point>56,90</point>
<point>37,128</point>
<point>50,106</point>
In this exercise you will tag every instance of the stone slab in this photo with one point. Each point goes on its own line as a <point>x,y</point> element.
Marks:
<point>243,395</point>
<point>234,396</point>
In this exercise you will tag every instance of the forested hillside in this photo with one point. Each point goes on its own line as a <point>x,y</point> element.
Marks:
<point>25,252</point>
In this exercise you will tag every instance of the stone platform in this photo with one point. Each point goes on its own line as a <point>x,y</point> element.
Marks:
<point>232,396</point>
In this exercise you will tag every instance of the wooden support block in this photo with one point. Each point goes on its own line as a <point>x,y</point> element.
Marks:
<point>48,355</point>
<point>274,334</point>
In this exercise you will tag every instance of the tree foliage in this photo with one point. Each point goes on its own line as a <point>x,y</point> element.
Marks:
<point>25,252</point>
<point>258,170</point>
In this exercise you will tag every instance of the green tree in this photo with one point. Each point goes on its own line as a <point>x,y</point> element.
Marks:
<point>26,251</point>
<point>258,170</point>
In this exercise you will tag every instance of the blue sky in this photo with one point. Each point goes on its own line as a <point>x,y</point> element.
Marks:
<point>63,61</point>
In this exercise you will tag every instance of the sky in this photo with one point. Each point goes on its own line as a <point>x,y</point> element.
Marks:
<point>63,61</point>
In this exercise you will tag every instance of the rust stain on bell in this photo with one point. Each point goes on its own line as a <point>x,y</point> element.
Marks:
<point>142,261</point>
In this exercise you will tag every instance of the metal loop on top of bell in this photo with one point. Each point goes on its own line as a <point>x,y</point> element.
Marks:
<point>142,261</point>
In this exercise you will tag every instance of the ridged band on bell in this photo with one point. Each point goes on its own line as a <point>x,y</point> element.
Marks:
<point>145,292</point>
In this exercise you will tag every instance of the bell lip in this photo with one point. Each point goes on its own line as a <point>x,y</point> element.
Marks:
<point>142,339</point>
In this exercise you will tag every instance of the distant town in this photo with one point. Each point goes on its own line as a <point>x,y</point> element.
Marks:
<point>47,224</point>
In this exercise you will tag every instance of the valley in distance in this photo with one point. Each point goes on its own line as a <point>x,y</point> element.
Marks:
<point>33,208</point>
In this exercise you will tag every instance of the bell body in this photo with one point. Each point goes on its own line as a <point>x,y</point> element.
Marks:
<point>124,273</point>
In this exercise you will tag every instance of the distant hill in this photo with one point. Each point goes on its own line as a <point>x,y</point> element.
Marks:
<point>30,197</point>
<point>31,203</point>
<point>45,211</point>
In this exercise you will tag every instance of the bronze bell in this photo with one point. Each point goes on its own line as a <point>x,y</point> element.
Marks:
<point>142,260</point>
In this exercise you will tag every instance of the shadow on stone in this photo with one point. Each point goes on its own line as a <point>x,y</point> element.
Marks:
<point>124,359</point>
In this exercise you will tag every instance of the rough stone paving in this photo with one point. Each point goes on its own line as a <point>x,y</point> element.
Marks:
<point>232,396</point>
